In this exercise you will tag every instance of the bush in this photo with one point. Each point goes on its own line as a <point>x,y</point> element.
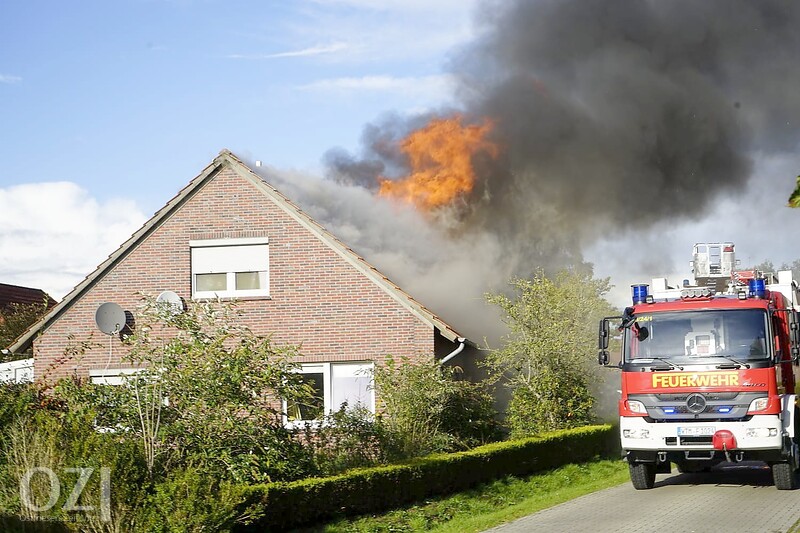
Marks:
<point>349,438</point>
<point>17,400</point>
<point>549,403</point>
<point>425,410</point>
<point>30,443</point>
<point>191,500</point>
<point>470,417</point>
<point>284,505</point>
<point>69,446</point>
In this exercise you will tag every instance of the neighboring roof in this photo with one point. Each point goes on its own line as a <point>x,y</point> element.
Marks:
<point>226,158</point>
<point>14,294</point>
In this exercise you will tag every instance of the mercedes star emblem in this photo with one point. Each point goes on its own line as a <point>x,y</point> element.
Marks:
<point>696,403</point>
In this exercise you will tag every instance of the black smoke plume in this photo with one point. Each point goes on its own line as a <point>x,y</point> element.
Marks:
<point>613,116</point>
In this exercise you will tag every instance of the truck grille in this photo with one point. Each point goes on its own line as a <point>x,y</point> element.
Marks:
<point>689,441</point>
<point>705,405</point>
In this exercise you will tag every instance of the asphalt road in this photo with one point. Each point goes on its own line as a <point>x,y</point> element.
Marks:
<point>730,499</point>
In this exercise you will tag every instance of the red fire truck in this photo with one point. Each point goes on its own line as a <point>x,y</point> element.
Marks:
<point>707,370</point>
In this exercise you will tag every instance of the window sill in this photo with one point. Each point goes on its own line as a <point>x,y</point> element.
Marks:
<point>231,298</point>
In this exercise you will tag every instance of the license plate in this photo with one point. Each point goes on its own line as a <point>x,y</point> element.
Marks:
<point>695,431</point>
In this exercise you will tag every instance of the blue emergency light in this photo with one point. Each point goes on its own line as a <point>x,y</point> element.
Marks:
<point>639,293</point>
<point>757,288</point>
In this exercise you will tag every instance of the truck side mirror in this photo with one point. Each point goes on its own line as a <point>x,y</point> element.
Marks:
<point>603,335</point>
<point>794,335</point>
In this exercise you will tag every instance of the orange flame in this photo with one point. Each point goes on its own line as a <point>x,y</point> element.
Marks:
<point>440,155</point>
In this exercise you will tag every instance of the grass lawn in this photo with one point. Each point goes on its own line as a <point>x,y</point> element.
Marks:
<point>491,504</point>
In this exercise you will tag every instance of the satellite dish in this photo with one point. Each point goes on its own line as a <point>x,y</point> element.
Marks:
<point>110,318</point>
<point>171,301</point>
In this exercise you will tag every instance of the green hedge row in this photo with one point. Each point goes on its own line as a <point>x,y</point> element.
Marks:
<point>285,505</point>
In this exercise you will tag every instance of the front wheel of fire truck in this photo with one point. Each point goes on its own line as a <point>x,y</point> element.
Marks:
<point>643,475</point>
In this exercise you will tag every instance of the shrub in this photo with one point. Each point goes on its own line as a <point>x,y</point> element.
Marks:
<point>349,438</point>
<point>283,505</point>
<point>17,401</point>
<point>425,410</point>
<point>29,443</point>
<point>191,500</point>
<point>551,402</point>
<point>470,417</point>
<point>68,445</point>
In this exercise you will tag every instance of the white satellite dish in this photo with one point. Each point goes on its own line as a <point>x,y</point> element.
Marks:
<point>172,301</point>
<point>110,318</point>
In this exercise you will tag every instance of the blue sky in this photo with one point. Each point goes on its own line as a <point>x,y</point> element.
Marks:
<point>132,98</point>
<point>124,102</point>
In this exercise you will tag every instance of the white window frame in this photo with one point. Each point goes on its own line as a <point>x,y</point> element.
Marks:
<point>111,376</point>
<point>230,271</point>
<point>326,369</point>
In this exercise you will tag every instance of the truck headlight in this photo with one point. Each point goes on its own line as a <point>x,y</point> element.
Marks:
<point>759,404</point>
<point>636,407</point>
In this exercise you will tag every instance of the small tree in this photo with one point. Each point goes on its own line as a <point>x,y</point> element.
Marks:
<point>545,359</point>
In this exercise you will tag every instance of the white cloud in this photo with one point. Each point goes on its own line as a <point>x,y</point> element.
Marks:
<point>417,32</point>
<point>440,84</point>
<point>304,52</point>
<point>54,234</point>
<point>412,6</point>
<point>5,78</point>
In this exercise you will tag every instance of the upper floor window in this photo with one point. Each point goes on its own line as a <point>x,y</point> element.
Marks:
<point>226,268</point>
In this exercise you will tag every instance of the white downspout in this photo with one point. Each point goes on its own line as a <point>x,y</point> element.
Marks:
<point>454,352</point>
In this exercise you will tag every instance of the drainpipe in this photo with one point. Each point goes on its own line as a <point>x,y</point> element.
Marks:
<point>454,352</point>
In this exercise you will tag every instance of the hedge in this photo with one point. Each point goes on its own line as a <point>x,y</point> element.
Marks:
<point>283,505</point>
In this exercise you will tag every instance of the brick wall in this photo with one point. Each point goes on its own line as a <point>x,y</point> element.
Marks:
<point>317,298</point>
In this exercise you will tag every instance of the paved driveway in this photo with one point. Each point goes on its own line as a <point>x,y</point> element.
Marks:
<point>730,499</point>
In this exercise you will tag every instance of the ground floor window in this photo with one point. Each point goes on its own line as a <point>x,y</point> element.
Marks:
<point>334,384</point>
<point>111,376</point>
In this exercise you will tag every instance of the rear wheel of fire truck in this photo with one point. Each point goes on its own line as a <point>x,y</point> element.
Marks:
<point>643,475</point>
<point>784,476</point>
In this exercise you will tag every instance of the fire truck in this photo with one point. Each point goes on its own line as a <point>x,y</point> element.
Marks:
<point>708,370</point>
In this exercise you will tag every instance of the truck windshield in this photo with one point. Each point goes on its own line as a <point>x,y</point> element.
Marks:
<point>737,333</point>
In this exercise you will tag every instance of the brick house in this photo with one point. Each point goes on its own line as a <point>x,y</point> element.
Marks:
<point>230,234</point>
